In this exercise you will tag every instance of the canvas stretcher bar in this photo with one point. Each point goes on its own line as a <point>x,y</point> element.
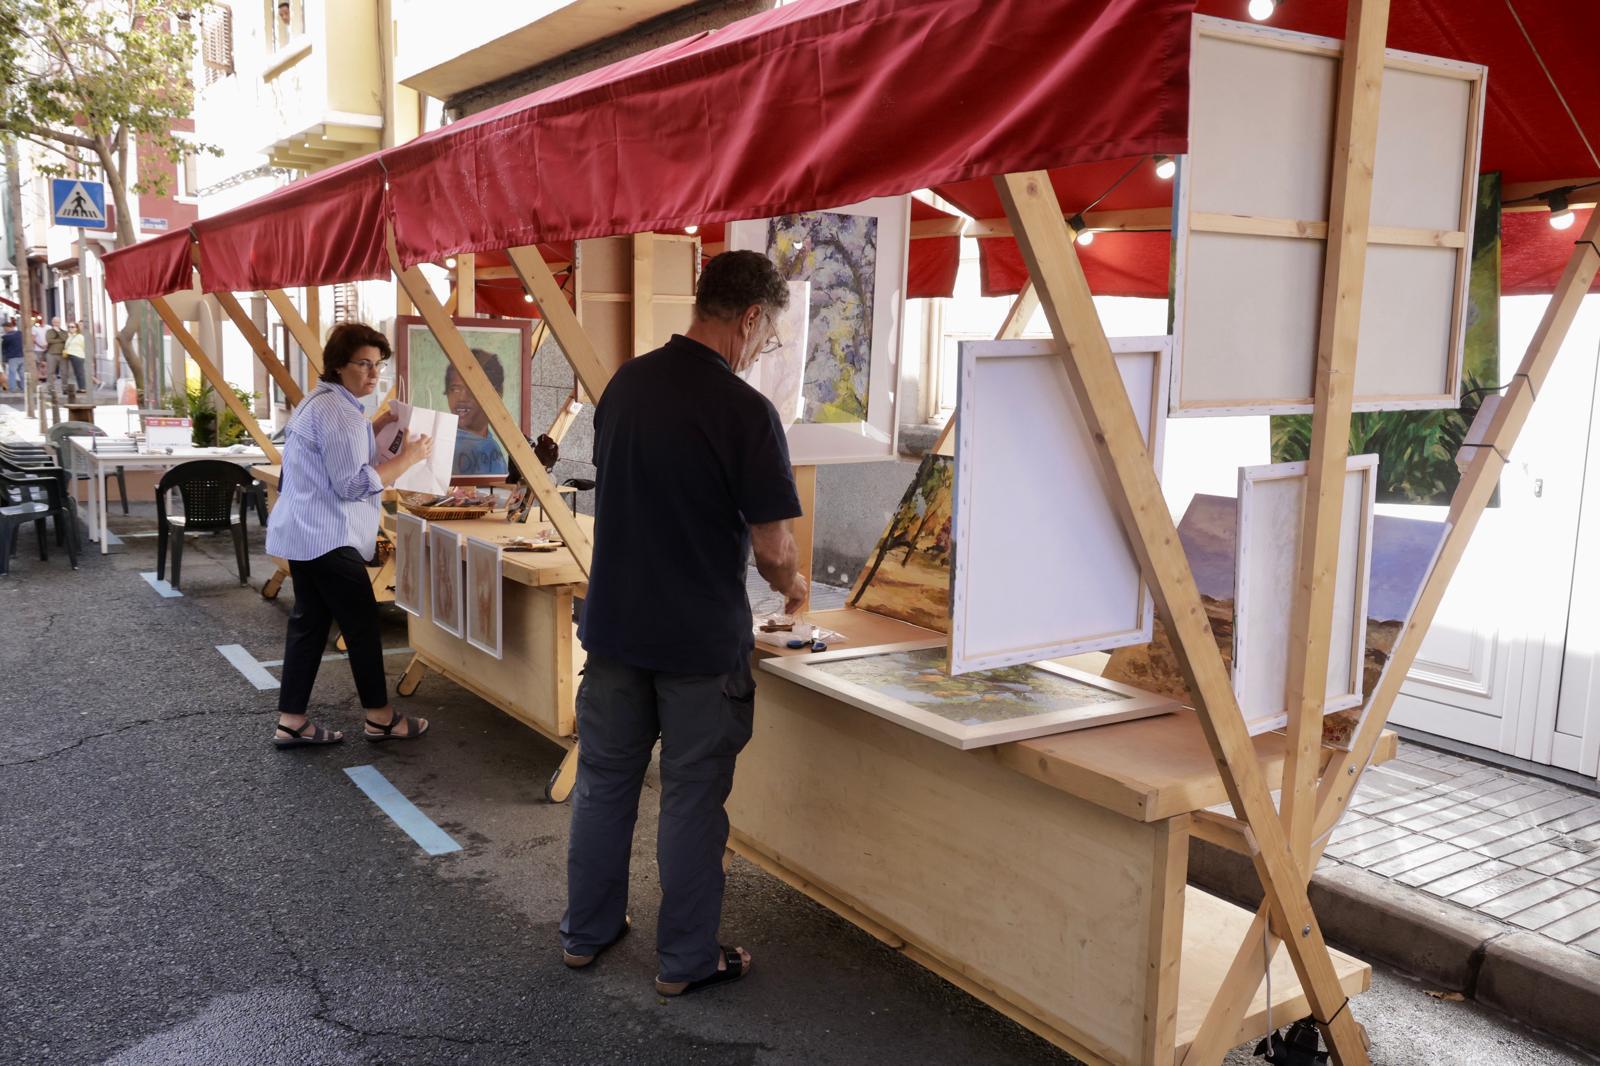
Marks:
<point>1047,248</point>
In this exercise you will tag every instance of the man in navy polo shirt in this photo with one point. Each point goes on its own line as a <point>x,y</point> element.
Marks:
<point>692,471</point>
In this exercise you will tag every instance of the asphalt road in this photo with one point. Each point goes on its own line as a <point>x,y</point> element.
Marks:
<point>173,890</point>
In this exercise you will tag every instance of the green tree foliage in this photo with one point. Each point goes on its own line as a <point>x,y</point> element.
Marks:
<point>89,80</point>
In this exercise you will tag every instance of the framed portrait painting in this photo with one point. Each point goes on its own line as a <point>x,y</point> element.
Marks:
<point>444,578</point>
<point>426,378</point>
<point>852,261</point>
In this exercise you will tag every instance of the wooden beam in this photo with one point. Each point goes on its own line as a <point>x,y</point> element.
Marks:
<point>258,344</point>
<point>505,427</point>
<point>540,283</point>
<point>209,370</point>
<point>565,417</point>
<point>505,272</point>
<point>466,290</point>
<point>1016,322</point>
<point>1153,219</point>
<point>1047,247</point>
<point>1343,282</point>
<point>643,296</point>
<point>922,229</point>
<point>805,527</point>
<point>306,337</point>
<point>1588,192</point>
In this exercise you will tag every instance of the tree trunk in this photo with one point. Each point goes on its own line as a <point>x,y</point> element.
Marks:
<point>126,236</point>
<point>30,371</point>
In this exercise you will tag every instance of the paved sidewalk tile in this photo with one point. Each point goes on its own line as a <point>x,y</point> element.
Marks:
<point>1433,871</point>
<point>1472,875</point>
<point>1485,891</point>
<point>1557,908</point>
<point>1520,900</point>
<point>1576,924</point>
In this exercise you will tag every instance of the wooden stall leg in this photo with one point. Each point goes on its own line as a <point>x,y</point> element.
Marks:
<point>560,784</point>
<point>407,685</point>
<point>1047,247</point>
<point>218,383</point>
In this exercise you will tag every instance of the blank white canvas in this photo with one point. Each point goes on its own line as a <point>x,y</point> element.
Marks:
<point>1247,308</point>
<point>1266,576</point>
<point>1042,566</point>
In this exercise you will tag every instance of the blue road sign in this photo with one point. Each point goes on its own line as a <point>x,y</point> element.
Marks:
<point>74,202</point>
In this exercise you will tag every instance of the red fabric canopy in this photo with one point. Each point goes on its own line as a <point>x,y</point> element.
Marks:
<point>810,105</point>
<point>1533,253</point>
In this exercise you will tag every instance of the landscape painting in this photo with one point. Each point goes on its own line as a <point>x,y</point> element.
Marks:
<point>780,375</point>
<point>908,574</point>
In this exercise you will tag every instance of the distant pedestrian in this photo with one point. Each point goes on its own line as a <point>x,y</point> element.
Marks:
<point>38,336</point>
<point>74,349</point>
<point>326,525</point>
<point>55,344</point>
<point>11,350</point>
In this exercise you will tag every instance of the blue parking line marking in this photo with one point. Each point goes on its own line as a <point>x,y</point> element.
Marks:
<point>418,826</point>
<point>163,587</point>
<point>253,671</point>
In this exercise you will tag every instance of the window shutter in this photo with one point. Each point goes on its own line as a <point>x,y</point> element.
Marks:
<point>216,42</point>
<point>346,302</point>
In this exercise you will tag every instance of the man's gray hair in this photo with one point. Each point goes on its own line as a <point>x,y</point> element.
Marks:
<point>734,281</point>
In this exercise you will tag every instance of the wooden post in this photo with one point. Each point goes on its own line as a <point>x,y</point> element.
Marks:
<point>805,527</point>
<point>505,427</point>
<point>1343,279</point>
<point>565,417</point>
<point>561,319</point>
<point>209,369</point>
<point>1047,247</point>
<point>258,343</point>
<point>644,274</point>
<point>307,338</point>
<point>1017,318</point>
<point>466,285</point>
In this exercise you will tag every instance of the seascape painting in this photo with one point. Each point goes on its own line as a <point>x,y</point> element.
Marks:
<point>837,254</point>
<point>982,698</point>
<point>908,574</point>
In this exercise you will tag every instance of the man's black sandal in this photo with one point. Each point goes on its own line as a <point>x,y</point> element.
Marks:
<point>578,962</point>
<point>299,738</point>
<point>736,969</point>
<point>389,730</point>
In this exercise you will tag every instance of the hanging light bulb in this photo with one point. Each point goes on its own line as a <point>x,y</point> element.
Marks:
<point>1261,10</point>
<point>691,230</point>
<point>1561,216</point>
<point>1166,166</point>
<point>1081,231</point>
<point>527,297</point>
<point>450,263</point>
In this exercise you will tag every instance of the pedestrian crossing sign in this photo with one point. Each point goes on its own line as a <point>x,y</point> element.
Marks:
<point>74,202</point>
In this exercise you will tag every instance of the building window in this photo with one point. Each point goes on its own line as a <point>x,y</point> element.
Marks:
<point>188,176</point>
<point>346,302</point>
<point>286,20</point>
<point>216,42</point>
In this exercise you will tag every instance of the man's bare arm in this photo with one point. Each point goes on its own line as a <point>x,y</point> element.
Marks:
<point>777,560</point>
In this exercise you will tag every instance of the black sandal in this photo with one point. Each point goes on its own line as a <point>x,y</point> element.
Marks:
<point>298,738</point>
<point>736,969</point>
<point>389,730</point>
<point>578,962</point>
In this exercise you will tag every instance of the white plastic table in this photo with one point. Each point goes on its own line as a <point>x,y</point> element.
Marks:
<point>97,464</point>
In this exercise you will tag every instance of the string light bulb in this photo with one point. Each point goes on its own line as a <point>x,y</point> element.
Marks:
<point>450,263</point>
<point>527,297</point>
<point>1261,10</point>
<point>1082,234</point>
<point>691,230</point>
<point>1166,167</point>
<point>1561,216</point>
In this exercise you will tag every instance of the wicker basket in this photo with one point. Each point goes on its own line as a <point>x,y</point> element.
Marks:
<point>412,501</point>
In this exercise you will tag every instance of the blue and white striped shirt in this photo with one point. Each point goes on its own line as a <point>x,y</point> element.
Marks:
<point>330,496</point>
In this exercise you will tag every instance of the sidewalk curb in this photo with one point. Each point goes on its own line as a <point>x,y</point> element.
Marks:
<point>1531,978</point>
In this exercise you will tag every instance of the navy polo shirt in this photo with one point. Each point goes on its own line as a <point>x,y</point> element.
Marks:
<point>687,457</point>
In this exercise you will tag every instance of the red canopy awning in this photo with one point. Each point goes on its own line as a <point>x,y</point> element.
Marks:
<point>810,105</point>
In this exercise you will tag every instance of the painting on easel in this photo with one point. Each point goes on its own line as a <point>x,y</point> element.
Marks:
<point>908,574</point>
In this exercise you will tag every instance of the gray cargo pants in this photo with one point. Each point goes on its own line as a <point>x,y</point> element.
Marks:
<point>703,721</point>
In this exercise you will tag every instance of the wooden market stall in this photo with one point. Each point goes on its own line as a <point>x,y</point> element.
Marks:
<point>1045,875</point>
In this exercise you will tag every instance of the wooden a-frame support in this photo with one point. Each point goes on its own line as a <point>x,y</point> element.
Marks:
<point>213,375</point>
<point>505,427</point>
<point>299,329</point>
<point>1046,243</point>
<point>258,343</point>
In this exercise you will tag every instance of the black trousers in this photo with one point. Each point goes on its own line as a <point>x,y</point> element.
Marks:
<point>703,722</point>
<point>332,588</point>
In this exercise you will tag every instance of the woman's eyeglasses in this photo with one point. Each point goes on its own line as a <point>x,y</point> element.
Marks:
<point>364,365</point>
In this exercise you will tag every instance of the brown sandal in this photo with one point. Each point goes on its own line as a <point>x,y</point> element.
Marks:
<point>413,733</point>
<point>299,738</point>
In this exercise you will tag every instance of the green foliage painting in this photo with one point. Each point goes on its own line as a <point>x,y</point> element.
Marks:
<point>838,254</point>
<point>908,575</point>
<point>1416,449</point>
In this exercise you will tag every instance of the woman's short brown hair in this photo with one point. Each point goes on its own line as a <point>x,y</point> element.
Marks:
<point>346,339</point>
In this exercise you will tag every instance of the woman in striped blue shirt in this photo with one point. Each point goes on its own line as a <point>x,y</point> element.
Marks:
<point>325,524</point>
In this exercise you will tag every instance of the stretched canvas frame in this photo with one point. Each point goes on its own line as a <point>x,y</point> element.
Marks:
<point>445,594</point>
<point>1028,476</point>
<point>484,593</point>
<point>612,276</point>
<point>421,370</point>
<point>1120,703</point>
<point>1251,225</point>
<point>1266,579</point>
<point>849,440</point>
<point>410,563</point>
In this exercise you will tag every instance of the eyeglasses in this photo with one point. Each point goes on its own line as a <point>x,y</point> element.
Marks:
<point>774,342</point>
<point>365,365</point>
